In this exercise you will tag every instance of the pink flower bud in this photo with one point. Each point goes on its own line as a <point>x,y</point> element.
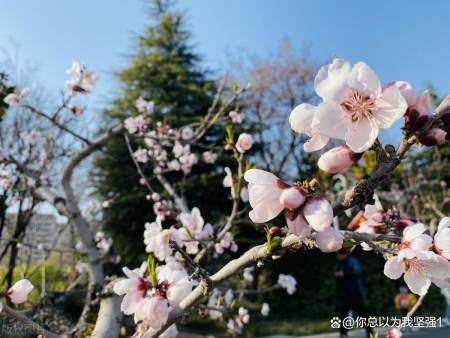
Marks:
<point>275,231</point>
<point>18,293</point>
<point>244,142</point>
<point>156,197</point>
<point>293,197</point>
<point>319,213</point>
<point>329,240</point>
<point>337,159</point>
<point>433,137</point>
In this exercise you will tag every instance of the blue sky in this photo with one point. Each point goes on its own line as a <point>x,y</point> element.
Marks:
<point>399,39</point>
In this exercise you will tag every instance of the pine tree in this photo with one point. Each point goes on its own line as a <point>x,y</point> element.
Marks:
<point>166,70</point>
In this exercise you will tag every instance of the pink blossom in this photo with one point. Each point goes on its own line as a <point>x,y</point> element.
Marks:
<point>354,106</point>
<point>193,230</point>
<point>301,121</point>
<point>373,219</point>
<point>236,117</point>
<point>319,213</point>
<point>141,155</point>
<point>134,288</point>
<point>415,238</point>
<point>12,99</point>
<point>264,195</point>
<point>178,281</point>
<point>442,238</point>
<point>293,197</point>
<point>329,240</point>
<point>420,269</point>
<point>18,293</point>
<point>337,160</point>
<point>153,311</point>
<point>157,239</point>
<point>244,142</point>
<point>209,157</point>
<point>265,309</point>
<point>226,243</point>
<point>187,133</point>
<point>144,106</point>
<point>298,225</point>
<point>228,179</point>
<point>287,282</point>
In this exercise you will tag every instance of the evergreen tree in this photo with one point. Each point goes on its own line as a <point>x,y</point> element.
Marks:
<point>164,69</point>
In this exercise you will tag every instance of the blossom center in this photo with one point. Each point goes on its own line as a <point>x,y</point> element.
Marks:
<point>358,105</point>
<point>415,265</point>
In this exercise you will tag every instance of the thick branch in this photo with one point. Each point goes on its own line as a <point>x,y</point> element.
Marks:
<point>36,328</point>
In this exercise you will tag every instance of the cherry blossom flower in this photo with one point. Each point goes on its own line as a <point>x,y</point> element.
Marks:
<point>12,99</point>
<point>193,230</point>
<point>228,179</point>
<point>144,106</point>
<point>415,238</point>
<point>141,155</point>
<point>301,121</point>
<point>442,238</point>
<point>83,81</point>
<point>248,274</point>
<point>75,109</point>
<point>244,142</point>
<point>209,157</point>
<point>420,268</point>
<point>226,243</point>
<point>134,288</point>
<point>268,195</point>
<point>236,117</point>
<point>243,316</point>
<point>372,219</point>
<point>153,311</point>
<point>219,302</point>
<point>179,285</point>
<point>329,240</point>
<point>287,282</point>
<point>319,213</point>
<point>265,309</point>
<point>103,242</point>
<point>157,239</point>
<point>187,133</point>
<point>354,106</point>
<point>297,224</point>
<point>18,293</point>
<point>338,159</point>
<point>135,124</point>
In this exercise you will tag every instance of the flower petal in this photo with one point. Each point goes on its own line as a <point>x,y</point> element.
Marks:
<point>363,79</point>
<point>391,106</point>
<point>393,268</point>
<point>417,283</point>
<point>362,134</point>
<point>331,120</point>
<point>331,80</point>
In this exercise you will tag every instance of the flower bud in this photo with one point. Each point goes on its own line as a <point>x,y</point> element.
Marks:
<point>275,231</point>
<point>337,159</point>
<point>244,142</point>
<point>329,240</point>
<point>435,136</point>
<point>319,213</point>
<point>293,197</point>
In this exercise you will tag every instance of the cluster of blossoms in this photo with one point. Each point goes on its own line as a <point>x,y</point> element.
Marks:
<point>82,80</point>
<point>287,282</point>
<point>236,324</point>
<point>189,233</point>
<point>14,99</point>
<point>103,242</point>
<point>18,293</point>
<point>269,195</point>
<point>236,117</point>
<point>151,299</point>
<point>422,259</point>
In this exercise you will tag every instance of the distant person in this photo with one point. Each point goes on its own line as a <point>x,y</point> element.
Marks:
<point>446,293</point>
<point>404,301</point>
<point>350,289</point>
